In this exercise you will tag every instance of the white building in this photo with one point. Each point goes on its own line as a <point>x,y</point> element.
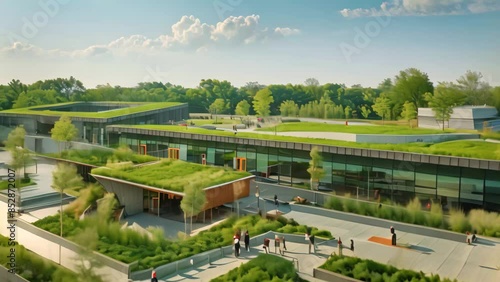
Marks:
<point>465,117</point>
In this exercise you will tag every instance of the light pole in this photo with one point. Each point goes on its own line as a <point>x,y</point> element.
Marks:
<point>257,195</point>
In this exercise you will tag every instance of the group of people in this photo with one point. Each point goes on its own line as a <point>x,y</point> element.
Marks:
<point>237,244</point>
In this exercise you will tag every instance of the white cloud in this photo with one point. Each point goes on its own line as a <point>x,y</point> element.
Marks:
<point>425,8</point>
<point>189,33</point>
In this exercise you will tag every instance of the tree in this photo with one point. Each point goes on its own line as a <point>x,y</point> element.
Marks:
<point>243,108</point>
<point>315,166</point>
<point>476,91</point>
<point>409,112</point>
<point>192,203</point>
<point>382,107</point>
<point>289,108</point>
<point>64,131</point>
<point>411,85</point>
<point>445,98</point>
<point>496,97</point>
<point>20,157</point>
<point>365,111</point>
<point>218,107</point>
<point>65,177</point>
<point>347,111</point>
<point>262,102</point>
<point>87,261</point>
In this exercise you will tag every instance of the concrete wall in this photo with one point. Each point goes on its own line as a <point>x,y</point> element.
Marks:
<point>10,277</point>
<point>47,245</point>
<point>129,195</point>
<point>331,276</point>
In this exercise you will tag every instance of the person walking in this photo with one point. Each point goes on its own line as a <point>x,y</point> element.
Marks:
<point>247,241</point>
<point>153,277</point>
<point>236,247</point>
<point>340,246</point>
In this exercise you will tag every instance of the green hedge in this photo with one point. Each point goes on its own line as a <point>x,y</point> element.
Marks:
<point>369,270</point>
<point>128,246</point>
<point>484,223</point>
<point>33,267</point>
<point>265,267</point>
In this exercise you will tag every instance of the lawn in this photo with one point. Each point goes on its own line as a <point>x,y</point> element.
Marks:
<point>133,108</point>
<point>200,122</point>
<point>4,184</point>
<point>463,148</point>
<point>98,157</point>
<point>355,129</point>
<point>173,175</point>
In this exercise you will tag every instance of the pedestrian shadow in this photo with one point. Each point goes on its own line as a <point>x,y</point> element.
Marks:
<point>486,242</point>
<point>422,249</point>
<point>489,267</point>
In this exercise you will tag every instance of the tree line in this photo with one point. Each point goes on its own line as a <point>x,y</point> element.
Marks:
<point>394,98</point>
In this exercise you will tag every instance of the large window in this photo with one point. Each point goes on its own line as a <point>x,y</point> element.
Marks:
<point>492,191</point>
<point>471,188</point>
<point>448,186</point>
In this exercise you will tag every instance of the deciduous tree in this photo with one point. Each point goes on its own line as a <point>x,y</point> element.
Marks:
<point>409,112</point>
<point>192,203</point>
<point>262,102</point>
<point>243,108</point>
<point>315,166</point>
<point>64,131</point>
<point>382,107</point>
<point>445,98</point>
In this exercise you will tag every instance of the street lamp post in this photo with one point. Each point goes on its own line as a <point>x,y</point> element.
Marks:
<point>257,195</point>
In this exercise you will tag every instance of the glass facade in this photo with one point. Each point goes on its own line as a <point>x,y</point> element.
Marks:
<point>361,177</point>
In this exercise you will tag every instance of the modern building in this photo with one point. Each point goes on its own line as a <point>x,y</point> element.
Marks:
<point>465,117</point>
<point>371,174</point>
<point>91,118</point>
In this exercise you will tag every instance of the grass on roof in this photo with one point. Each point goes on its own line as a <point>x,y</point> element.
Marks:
<point>355,129</point>
<point>173,174</point>
<point>464,148</point>
<point>99,157</point>
<point>134,108</point>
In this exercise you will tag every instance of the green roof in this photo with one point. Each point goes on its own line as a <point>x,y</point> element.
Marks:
<point>464,148</point>
<point>133,108</point>
<point>174,175</point>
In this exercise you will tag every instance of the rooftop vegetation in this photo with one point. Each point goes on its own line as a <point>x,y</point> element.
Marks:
<point>101,157</point>
<point>355,129</point>
<point>265,267</point>
<point>173,174</point>
<point>463,148</point>
<point>368,270</point>
<point>128,246</point>
<point>131,109</point>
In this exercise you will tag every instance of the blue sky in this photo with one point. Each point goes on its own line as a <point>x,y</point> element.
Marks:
<point>183,41</point>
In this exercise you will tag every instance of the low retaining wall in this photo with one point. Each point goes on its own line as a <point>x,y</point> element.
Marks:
<point>10,277</point>
<point>331,276</point>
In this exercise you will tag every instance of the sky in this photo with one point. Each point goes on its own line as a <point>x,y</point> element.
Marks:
<point>124,42</point>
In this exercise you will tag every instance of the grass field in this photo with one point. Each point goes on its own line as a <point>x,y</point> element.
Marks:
<point>356,129</point>
<point>199,122</point>
<point>471,149</point>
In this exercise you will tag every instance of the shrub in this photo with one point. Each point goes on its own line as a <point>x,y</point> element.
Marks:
<point>334,203</point>
<point>485,223</point>
<point>435,217</point>
<point>458,221</point>
<point>368,270</point>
